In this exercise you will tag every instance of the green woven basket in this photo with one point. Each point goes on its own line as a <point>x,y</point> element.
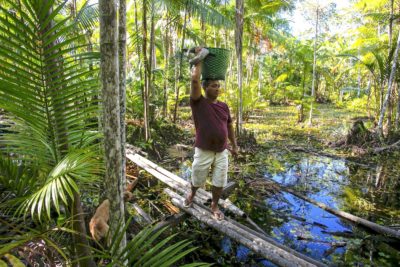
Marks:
<point>215,64</point>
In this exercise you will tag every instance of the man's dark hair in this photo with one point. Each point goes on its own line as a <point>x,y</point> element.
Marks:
<point>206,82</point>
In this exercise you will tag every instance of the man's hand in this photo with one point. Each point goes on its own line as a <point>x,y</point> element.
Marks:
<point>200,53</point>
<point>234,151</point>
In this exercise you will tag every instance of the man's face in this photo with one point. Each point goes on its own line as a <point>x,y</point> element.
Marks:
<point>213,89</point>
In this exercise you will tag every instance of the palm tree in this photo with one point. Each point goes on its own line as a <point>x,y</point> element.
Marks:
<point>47,94</point>
<point>113,180</point>
<point>239,14</point>
<point>122,79</point>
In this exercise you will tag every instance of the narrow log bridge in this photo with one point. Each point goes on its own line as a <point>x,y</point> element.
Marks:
<point>255,240</point>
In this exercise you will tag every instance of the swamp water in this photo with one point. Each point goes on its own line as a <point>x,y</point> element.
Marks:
<point>370,192</point>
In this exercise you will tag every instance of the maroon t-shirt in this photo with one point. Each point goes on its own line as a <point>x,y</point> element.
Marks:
<point>211,123</point>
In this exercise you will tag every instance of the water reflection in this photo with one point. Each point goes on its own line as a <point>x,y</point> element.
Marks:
<point>368,193</point>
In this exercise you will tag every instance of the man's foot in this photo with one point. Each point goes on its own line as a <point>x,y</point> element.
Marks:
<point>218,215</point>
<point>187,203</point>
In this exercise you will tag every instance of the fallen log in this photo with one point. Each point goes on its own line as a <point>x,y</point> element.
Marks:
<point>346,234</point>
<point>357,220</point>
<point>142,213</point>
<point>336,244</point>
<point>171,221</point>
<point>378,150</point>
<point>275,254</point>
<point>228,189</point>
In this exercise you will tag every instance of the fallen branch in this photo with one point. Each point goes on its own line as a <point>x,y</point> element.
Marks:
<point>378,150</point>
<point>228,189</point>
<point>346,234</point>
<point>336,244</point>
<point>171,220</point>
<point>142,213</point>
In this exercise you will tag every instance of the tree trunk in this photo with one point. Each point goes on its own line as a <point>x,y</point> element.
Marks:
<point>82,249</point>
<point>397,120</point>
<point>146,74</point>
<point>152,57</point>
<point>239,45</point>
<point>314,68</point>
<point>260,74</point>
<point>369,97</point>
<point>138,52</point>
<point>389,91</point>
<point>166,71</point>
<point>179,74</point>
<point>391,18</point>
<point>122,80</point>
<point>111,115</point>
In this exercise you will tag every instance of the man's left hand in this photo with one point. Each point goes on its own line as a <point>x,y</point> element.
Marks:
<point>234,151</point>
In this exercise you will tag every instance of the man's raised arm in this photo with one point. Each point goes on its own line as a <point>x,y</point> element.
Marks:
<point>195,91</point>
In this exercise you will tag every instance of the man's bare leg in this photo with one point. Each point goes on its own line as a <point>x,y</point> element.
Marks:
<point>216,195</point>
<point>189,199</point>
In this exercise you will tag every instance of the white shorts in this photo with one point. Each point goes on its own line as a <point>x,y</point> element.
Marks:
<point>203,159</point>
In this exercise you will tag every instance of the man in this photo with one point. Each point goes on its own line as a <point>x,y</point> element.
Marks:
<point>213,125</point>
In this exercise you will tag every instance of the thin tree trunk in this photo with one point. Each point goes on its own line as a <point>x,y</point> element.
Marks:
<point>180,62</point>
<point>389,91</point>
<point>314,68</point>
<point>239,44</point>
<point>260,74</point>
<point>359,77</point>
<point>146,74</point>
<point>113,190</point>
<point>369,97</point>
<point>391,25</point>
<point>138,52</point>
<point>397,120</point>
<point>152,57</point>
<point>166,71</point>
<point>122,84</point>
<point>83,254</point>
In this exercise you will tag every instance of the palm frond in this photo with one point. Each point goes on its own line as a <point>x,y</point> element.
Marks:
<point>60,186</point>
<point>207,13</point>
<point>145,249</point>
<point>50,93</point>
<point>88,16</point>
<point>16,177</point>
